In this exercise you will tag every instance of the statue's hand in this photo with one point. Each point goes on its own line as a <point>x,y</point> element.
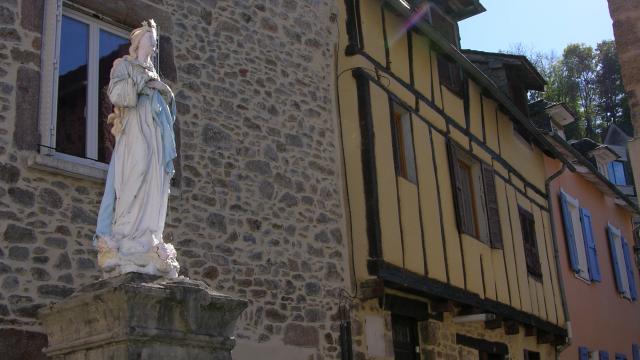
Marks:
<point>160,86</point>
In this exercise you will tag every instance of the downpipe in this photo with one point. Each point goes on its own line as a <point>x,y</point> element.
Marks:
<point>556,255</point>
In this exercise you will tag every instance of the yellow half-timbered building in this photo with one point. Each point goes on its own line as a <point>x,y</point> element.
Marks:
<point>453,254</point>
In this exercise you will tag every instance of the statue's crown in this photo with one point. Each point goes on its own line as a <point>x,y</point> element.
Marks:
<point>151,24</point>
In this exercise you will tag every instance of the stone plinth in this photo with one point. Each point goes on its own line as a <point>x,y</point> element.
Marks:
<point>136,316</point>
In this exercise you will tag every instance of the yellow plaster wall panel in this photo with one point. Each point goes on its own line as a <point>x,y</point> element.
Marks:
<point>491,124</point>
<point>452,240</point>
<point>515,181</point>
<point>421,64</point>
<point>556,312</point>
<point>488,271</point>
<point>432,235</point>
<point>522,156</point>
<point>500,169</point>
<point>518,249</point>
<point>387,194</point>
<point>481,153</point>
<point>459,138</point>
<point>534,195</point>
<point>533,291</point>
<point>475,109</point>
<point>352,151</point>
<point>411,232</point>
<point>401,92</point>
<point>500,274</point>
<point>511,272</point>
<point>437,89</point>
<point>545,257</point>
<point>432,116</point>
<point>453,106</point>
<point>398,45</point>
<point>373,37</point>
<point>542,302</point>
<point>472,264</point>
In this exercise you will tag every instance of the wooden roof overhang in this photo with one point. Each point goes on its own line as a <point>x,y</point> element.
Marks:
<point>585,168</point>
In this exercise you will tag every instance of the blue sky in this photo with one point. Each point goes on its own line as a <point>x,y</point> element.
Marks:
<point>545,25</point>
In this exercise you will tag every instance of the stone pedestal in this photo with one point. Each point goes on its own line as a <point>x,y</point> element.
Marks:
<point>136,316</point>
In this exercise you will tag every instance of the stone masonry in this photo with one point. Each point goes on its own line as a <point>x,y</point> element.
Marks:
<point>626,27</point>
<point>258,209</point>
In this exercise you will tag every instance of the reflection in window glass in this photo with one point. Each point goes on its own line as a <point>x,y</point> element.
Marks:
<point>111,47</point>
<point>72,88</point>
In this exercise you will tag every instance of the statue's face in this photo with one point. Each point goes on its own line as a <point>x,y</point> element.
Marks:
<point>147,44</point>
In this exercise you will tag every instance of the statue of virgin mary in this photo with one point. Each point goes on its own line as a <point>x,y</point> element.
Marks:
<point>134,206</point>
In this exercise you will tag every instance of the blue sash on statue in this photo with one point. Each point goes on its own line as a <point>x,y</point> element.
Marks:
<point>164,117</point>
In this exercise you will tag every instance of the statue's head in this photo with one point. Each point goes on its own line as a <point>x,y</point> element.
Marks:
<point>143,39</point>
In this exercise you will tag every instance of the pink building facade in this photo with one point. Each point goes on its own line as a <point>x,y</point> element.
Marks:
<point>598,267</point>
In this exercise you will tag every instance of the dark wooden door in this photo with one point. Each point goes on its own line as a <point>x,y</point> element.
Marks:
<point>405,338</point>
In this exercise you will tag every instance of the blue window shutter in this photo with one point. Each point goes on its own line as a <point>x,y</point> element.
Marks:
<point>590,245</point>
<point>603,355</point>
<point>635,349</point>
<point>614,260</point>
<point>620,356</point>
<point>611,172</point>
<point>568,234</point>
<point>629,266</point>
<point>583,353</point>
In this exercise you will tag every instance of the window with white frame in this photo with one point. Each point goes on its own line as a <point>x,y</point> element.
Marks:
<point>78,48</point>
<point>87,50</point>
<point>580,240</point>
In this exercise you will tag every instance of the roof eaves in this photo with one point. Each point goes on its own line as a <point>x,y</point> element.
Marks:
<point>586,163</point>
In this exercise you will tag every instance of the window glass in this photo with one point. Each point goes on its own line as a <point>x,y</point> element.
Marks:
<point>112,47</point>
<point>530,243</point>
<point>403,143</point>
<point>71,124</point>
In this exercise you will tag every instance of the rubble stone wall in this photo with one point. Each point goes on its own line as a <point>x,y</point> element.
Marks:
<point>258,210</point>
<point>626,27</point>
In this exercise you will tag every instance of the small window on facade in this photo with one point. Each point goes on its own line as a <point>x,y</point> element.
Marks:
<point>405,338</point>
<point>404,155</point>
<point>530,243</point>
<point>450,74</point>
<point>616,173</point>
<point>531,355</point>
<point>88,48</point>
<point>475,197</point>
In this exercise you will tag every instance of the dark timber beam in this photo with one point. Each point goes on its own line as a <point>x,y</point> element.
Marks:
<point>371,289</point>
<point>443,306</point>
<point>511,327</point>
<point>529,330</point>
<point>493,324</point>
<point>404,280</point>
<point>545,338</point>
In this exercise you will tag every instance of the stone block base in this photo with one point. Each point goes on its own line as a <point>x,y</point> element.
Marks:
<point>137,316</point>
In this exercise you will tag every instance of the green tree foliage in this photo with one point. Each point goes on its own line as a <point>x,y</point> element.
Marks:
<point>588,81</point>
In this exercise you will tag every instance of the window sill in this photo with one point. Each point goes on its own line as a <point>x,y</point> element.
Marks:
<point>585,280</point>
<point>86,171</point>
<point>59,165</point>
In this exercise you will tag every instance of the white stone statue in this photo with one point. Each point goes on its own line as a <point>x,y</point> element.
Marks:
<point>134,206</point>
